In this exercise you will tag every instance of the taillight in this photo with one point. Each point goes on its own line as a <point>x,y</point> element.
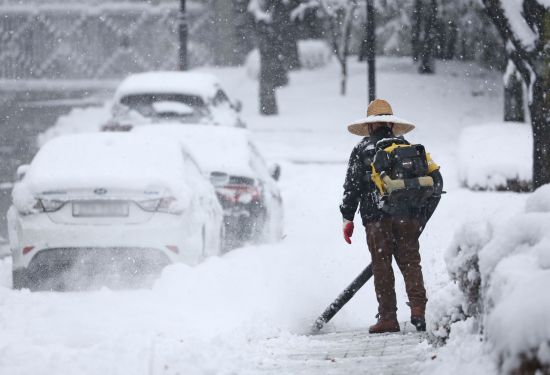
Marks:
<point>51,205</point>
<point>167,204</point>
<point>149,205</point>
<point>173,248</point>
<point>244,194</point>
<point>27,249</point>
<point>43,205</point>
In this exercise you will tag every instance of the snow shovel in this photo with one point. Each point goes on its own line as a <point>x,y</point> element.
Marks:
<point>342,299</point>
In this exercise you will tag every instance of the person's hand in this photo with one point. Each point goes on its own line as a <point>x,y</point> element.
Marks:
<point>348,230</point>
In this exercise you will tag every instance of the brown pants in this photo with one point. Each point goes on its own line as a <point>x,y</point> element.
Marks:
<point>396,237</point>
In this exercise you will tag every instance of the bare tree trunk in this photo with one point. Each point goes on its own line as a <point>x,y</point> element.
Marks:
<point>346,34</point>
<point>540,107</point>
<point>340,33</point>
<point>343,77</point>
<point>533,67</point>
<point>513,98</point>
<point>416,27</point>
<point>540,122</point>
<point>427,53</point>
<point>541,151</point>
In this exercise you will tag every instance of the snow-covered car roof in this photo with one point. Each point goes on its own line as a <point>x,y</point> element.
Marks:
<point>204,85</point>
<point>215,148</point>
<point>107,160</point>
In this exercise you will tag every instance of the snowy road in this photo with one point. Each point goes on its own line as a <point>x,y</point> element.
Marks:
<point>215,318</point>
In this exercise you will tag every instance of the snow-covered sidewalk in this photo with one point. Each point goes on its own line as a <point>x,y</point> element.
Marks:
<point>349,352</point>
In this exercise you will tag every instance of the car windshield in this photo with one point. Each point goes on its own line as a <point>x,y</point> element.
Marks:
<point>188,108</point>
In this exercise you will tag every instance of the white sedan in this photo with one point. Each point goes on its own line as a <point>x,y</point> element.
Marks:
<point>109,206</point>
<point>178,97</point>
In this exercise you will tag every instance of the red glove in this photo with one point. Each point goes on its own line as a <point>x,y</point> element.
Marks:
<point>348,230</point>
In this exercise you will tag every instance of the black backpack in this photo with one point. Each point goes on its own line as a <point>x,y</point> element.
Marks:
<point>400,172</point>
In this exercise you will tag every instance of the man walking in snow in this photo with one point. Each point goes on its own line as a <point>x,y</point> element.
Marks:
<point>397,187</point>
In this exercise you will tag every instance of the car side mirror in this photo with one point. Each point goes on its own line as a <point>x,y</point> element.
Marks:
<point>219,179</point>
<point>21,172</point>
<point>238,106</point>
<point>275,171</point>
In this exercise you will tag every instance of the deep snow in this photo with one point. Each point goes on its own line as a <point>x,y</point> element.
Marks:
<point>492,155</point>
<point>211,318</point>
<point>502,268</point>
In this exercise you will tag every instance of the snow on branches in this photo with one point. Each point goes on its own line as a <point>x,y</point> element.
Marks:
<point>259,10</point>
<point>525,26</point>
<point>522,25</point>
<point>519,27</point>
<point>339,15</point>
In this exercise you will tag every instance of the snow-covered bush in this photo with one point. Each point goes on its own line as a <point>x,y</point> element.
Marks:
<point>445,307</point>
<point>460,299</point>
<point>78,120</point>
<point>502,269</point>
<point>313,54</point>
<point>462,261</point>
<point>496,157</point>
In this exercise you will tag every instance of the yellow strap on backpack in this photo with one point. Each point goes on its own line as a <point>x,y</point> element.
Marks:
<point>432,166</point>
<point>382,183</point>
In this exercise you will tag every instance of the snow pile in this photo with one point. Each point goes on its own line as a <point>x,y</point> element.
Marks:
<point>515,269</point>
<point>445,307</point>
<point>464,353</point>
<point>78,120</point>
<point>313,54</point>
<point>496,157</point>
<point>502,269</point>
<point>459,300</point>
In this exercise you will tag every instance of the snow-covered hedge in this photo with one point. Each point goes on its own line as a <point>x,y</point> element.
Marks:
<point>496,157</point>
<point>313,54</point>
<point>501,270</point>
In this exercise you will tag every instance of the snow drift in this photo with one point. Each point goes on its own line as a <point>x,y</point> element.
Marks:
<point>496,157</point>
<point>501,268</point>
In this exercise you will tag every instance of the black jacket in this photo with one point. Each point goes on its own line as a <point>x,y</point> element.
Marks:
<point>360,191</point>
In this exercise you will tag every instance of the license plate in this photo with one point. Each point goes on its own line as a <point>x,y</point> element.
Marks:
<point>101,209</point>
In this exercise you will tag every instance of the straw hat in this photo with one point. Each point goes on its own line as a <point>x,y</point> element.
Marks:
<point>380,110</point>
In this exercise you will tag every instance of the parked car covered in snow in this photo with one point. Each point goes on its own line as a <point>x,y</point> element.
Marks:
<point>113,204</point>
<point>246,187</point>
<point>180,97</point>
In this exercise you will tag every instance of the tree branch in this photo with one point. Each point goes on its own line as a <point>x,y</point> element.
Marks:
<point>519,54</point>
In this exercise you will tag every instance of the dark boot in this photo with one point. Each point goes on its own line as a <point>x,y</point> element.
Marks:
<point>417,317</point>
<point>386,323</point>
